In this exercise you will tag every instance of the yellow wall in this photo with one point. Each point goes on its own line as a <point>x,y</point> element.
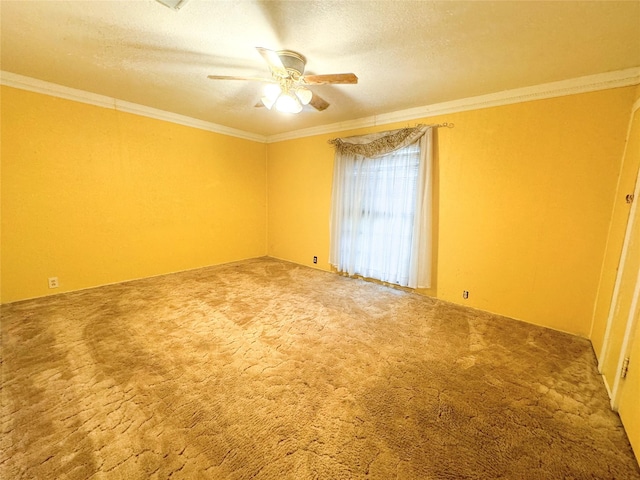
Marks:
<point>524,198</point>
<point>299,176</point>
<point>96,196</point>
<point>524,195</point>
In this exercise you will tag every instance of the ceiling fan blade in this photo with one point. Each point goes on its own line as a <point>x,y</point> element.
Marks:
<point>235,77</point>
<point>273,60</point>
<point>318,102</point>
<point>334,78</point>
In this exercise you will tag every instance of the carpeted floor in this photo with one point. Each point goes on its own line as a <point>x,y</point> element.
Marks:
<point>264,369</point>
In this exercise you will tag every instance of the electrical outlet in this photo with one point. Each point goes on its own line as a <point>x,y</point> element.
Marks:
<point>465,294</point>
<point>315,259</point>
<point>53,282</point>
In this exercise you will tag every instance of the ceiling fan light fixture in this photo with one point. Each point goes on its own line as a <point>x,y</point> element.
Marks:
<point>304,95</point>
<point>271,93</point>
<point>288,103</point>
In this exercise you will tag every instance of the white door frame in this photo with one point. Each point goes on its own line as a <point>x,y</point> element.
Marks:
<point>624,350</point>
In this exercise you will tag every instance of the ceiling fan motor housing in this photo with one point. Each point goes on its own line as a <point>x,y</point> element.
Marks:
<point>292,61</point>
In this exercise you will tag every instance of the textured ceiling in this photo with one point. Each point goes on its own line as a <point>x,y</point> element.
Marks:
<point>406,54</point>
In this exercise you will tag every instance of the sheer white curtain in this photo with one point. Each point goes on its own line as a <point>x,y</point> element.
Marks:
<point>381,206</point>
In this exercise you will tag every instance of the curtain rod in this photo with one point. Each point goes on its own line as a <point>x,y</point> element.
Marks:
<point>335,141</point>
<point>436,125</point>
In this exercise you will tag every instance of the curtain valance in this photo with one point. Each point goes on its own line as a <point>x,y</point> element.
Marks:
<point>377,144</point>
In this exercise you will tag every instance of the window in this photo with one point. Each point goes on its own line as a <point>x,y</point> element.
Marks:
<point>379,212</point>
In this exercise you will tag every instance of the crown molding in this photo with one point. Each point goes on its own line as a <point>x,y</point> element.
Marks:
<point>39,86</point>
<point>590,83</point>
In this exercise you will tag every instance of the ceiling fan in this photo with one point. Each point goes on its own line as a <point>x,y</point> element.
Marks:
<point>287,90</point>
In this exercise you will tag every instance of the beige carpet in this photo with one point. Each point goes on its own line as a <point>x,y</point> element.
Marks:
<point>263,369</point>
